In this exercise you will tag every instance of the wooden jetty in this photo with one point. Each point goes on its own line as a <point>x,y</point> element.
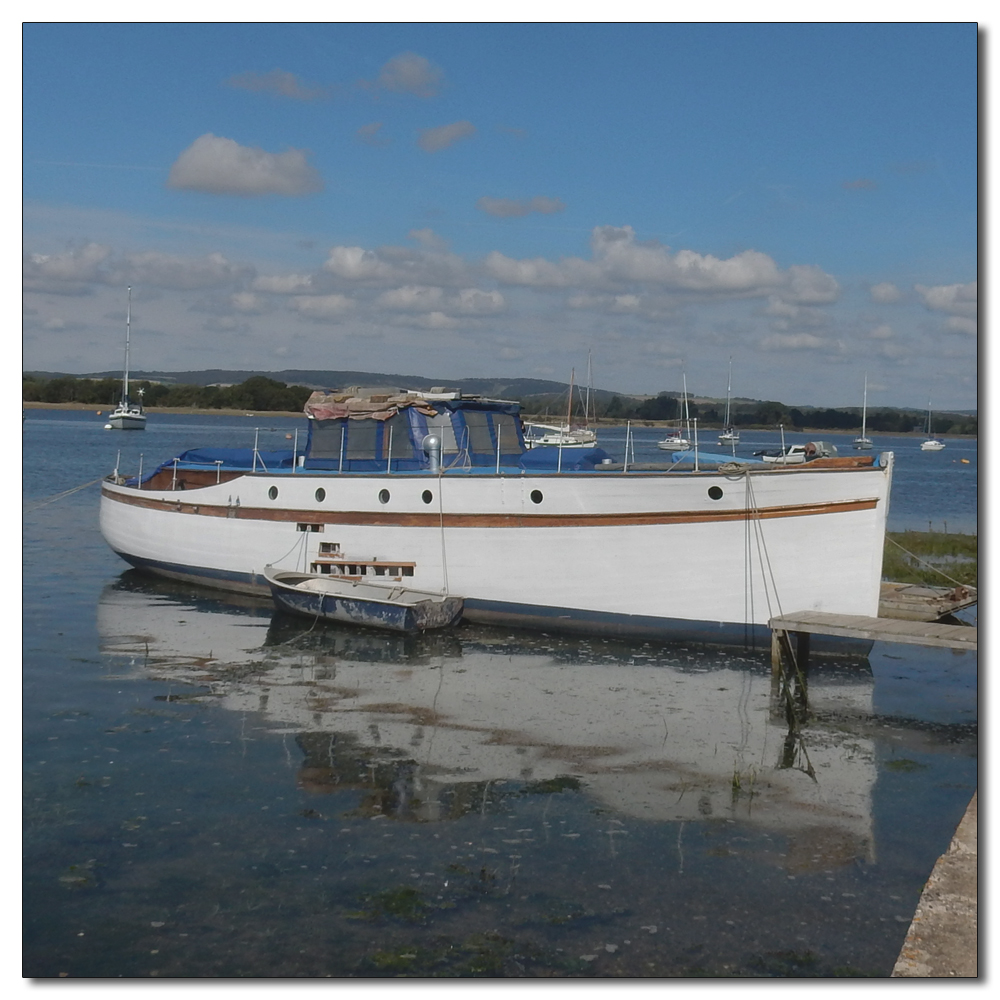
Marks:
<point>919,633</point>
<point>923,603</point>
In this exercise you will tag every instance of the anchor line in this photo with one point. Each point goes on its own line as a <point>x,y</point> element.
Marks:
<point>59,496</point>
<point>922,563</point>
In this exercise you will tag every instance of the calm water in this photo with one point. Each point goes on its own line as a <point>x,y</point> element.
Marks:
<point>213,790</point>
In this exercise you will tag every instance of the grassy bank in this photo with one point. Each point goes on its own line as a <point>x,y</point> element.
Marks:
<point>932,558</point>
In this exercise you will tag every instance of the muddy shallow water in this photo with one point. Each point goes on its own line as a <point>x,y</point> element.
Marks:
<point>214,790</point>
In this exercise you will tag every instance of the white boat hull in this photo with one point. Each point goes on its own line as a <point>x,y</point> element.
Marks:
<point>932,446</point>
<point>636,552</point>
<point>127,422</point>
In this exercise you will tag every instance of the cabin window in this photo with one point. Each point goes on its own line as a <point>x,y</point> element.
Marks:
<point>273,492</point>
<point>478,423</point>
<point>715,492</point>
<point>399,425</point>
<point>383,496</point>
<point>440,424</point>
<point>427,496</point>
<point>536,496</point>
<point>325,439</point>
<point>309,526</point>
<point>361,439</point>
<point>506,432</point>
<point>320,495</point>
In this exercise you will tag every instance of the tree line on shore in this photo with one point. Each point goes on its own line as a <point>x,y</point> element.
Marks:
<point>256,393</point>
<point>262,393</point>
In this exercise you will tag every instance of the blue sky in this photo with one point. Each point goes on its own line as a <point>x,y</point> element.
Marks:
<point>500,199</point>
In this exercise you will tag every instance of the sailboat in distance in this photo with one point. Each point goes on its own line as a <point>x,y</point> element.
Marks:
<point>729,435</point>
<point>128,416</point>
<point>931,443</point>
<point>680,439</point>
<point>863,443</point>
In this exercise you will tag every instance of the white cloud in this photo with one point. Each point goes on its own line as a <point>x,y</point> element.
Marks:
<point>792,342</point>
<point>954,300</point>
<point>215,165</point>
<point>409,73</point>
<point>433,139</point>
<point>369,134</point>
<point>961,324</point>
<point>885,292</point>
<point>428,239</point>
<point>160,270</point>
<point>65,273</point>
<point>620,261</point>
<point>247,302</point>
<point>277,82</point>
<point>881,332</point>
<point>322,307</point>
<point>424,299</point>
<point>358,264</point>
<point>283,284</point>
<point>505,208</point>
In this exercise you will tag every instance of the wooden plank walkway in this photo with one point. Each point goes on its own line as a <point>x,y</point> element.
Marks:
<point>882,629</point>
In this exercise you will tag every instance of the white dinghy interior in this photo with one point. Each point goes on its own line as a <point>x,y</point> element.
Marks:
<point>437,492</point>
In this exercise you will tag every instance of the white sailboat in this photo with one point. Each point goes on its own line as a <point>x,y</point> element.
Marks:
<point>128,416</point>
<point>931,443</point>
<point>680,439</point>
<point>863,443</point>
<point>564,435</point>
<point>729,435</point>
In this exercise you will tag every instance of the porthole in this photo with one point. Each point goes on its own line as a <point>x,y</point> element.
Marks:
<point>383,496</point>
<point>536,496</point>
<point>320,495</point>
<point>427,496</point>
<point>273,492</point>
<point>715,492</point>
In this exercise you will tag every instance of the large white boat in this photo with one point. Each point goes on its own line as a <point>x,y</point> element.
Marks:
<point>127,416</point>
<point>437,491</point>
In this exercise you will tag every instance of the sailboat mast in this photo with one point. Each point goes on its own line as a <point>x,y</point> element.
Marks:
<point>864,407</point>
<point>729,391</point>
<point>687,415</point>
<point>569,406</point>
<point>590,386</point>
<point>128,328</point>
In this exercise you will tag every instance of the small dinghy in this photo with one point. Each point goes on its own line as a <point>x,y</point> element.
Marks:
<point>398,608</point>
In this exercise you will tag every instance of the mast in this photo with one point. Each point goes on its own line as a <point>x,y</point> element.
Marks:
<point>590,387</point>
<point>128,328</point>
<point>687,414</point>
<point>729,390</point>
<point>569,407</point>
<point>864,407</point>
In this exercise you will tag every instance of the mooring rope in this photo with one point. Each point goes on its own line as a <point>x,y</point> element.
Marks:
<point>58,496</point>
<point>927,564</point>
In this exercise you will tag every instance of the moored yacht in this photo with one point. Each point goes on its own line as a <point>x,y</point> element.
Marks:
<point>437,492</point>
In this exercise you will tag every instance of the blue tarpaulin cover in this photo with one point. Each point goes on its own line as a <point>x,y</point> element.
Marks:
<point>573,459</point>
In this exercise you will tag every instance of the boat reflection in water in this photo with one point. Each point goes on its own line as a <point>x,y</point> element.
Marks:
<point>425,725</point>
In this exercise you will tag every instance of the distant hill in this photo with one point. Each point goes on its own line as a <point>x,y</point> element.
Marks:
<point>542,395</point>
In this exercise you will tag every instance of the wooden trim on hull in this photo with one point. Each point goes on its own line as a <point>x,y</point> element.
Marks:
<point>434,520</point>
